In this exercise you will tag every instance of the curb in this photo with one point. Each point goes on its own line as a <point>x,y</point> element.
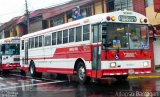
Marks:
<point>143,76</point>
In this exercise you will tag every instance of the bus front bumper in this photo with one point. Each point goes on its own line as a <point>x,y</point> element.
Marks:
<point>114,72</point>
<point>11,66</point>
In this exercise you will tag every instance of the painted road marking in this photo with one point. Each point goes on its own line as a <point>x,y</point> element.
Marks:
<point>22,76</point>
<point>37,79</point>
<point>1,78</point>
<point>2,85</point>
<point>24,81</point>
<point>11,83</point>
<point>31,85</point>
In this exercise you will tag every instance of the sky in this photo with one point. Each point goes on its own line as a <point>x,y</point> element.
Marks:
<point>12,8</point>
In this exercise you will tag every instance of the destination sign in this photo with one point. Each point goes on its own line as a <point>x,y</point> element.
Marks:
<point>125,18</point>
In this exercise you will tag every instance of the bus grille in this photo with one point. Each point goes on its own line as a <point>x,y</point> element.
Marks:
<point>16,59</point>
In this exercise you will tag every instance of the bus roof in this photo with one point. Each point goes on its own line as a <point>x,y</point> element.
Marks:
<point>120,17</point>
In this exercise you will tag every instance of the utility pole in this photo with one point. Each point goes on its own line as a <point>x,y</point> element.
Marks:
<point>27,16</point>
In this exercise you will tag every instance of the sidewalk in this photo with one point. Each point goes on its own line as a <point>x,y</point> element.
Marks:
<point>151,75</point>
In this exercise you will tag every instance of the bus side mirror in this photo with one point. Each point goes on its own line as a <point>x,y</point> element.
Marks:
<point>154,32</point>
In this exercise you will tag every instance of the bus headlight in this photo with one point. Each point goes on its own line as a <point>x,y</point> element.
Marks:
<point>146,64</point>
<point>113,64</point>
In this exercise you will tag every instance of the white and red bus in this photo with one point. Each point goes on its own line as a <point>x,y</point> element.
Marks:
<point>9,53</point>
<point>114,44</point>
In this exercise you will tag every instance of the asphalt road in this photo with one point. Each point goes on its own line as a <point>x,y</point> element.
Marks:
<point>13,85</point>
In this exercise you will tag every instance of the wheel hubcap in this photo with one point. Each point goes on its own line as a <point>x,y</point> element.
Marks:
<point>31,70</point>
<point>81,73</point>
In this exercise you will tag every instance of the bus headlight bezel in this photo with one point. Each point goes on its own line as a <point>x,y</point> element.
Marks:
<point>113,64</point>
<point>146,64</point>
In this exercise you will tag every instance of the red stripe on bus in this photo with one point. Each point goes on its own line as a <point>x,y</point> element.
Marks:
<point>11,66</point>
<point>107,72</point>
<point>55,70</point>
<point>86,52</point>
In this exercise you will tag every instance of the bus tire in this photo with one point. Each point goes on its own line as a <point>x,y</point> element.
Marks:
<point>81,73</point>
<point>32,70</point>
<point>121,77</point>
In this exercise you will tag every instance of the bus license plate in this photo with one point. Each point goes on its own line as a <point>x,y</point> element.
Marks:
<point>131,71</point>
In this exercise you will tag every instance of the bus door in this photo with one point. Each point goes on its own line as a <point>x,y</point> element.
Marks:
<point>96,50</point>
<point>26,52</point>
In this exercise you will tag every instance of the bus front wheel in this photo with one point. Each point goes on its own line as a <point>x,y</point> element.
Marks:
<point>81,73</point>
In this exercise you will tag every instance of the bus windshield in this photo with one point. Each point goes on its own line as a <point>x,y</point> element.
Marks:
<point>125,36</point>
<point>10,49</point>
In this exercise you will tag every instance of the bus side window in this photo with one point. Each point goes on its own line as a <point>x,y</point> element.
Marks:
<point>54,38</point>
<point>97,32</point>
<point>29,43</point>
<point>78,33</point>
<point>65,36</point>
<point>36,42</point>
<point>47,40</point>
<point>86,31</point>
<point>71,34</point>
<point>22,47</point>
<point>59,37</point>
<point>32,43</point>
<point>40,41</point>
<point>104,37</point>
